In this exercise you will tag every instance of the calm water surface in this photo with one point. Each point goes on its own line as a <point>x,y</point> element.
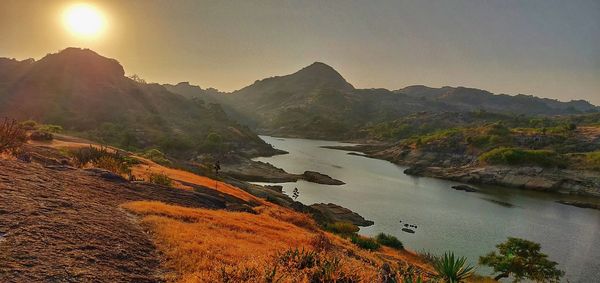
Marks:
<point>470,224</point>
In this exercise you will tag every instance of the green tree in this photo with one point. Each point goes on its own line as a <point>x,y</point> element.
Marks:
<point>522,259</point>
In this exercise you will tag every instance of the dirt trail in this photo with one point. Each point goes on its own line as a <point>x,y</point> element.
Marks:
<point>67,226</point>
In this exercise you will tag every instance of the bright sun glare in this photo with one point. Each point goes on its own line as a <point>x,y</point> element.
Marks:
<point>84,20</point>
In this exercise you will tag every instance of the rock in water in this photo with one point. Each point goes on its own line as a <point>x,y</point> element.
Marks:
<point>465,188</point>
<point>338,213</point>
<point>319,178</point>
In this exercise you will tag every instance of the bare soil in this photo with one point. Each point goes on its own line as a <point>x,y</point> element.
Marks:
<point>62,224</point>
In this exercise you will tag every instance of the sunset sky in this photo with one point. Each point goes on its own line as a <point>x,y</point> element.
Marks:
<point>541,47</point>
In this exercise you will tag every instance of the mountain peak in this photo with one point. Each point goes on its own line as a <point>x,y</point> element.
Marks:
<point>324,75</point>
<point>82,61</point>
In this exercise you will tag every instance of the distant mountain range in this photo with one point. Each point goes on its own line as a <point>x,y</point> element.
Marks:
<point>90,94</point>
<point>317,102</point>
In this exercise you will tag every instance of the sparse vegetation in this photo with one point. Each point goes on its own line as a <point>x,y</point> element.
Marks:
<point>12,135</point>
<point>389,240</point>
<point>160,179</point>
<point>157,156</point>
<point>251,247</point>
<point>102,157</point>
<point>345,229</point>
<point>516,156</point>
<point>365,242</point>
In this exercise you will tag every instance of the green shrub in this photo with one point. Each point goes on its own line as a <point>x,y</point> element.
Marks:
<point>157,156</point>
<point>342,228</point>
<point>160,179</point>
<point>29,125</point>
<point>50,128</point>
<point>389,240</point>
<point>365,242</point>
<point>516,156</point>
<point>453,269</point>
<point>113,164</point>
<point>592,161</point>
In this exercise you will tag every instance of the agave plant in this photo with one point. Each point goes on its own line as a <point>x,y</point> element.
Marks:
<point>453,269</point>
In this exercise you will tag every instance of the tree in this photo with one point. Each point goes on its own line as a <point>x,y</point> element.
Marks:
<point>522,259</point>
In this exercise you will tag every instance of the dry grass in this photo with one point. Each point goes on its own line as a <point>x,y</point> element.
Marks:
<point>202,245</point>
<point>148,167</point>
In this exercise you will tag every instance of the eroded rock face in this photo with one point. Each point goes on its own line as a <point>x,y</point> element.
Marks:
<point>320,178</point>
<point>339,213</point>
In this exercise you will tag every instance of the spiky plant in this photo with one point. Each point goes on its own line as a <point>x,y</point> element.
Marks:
<point>452,269</point>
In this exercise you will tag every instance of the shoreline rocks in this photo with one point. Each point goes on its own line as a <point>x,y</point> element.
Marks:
<point>339,213</point>
<point>580,204</point>
<point>320,178</point>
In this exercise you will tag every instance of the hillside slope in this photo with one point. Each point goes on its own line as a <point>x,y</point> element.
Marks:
<point>90,94</point>
<point>64,224</point>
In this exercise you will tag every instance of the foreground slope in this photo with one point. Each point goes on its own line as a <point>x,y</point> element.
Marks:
<point>66,224</point>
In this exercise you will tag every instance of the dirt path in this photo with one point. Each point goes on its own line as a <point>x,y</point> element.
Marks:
<point>67,226</point>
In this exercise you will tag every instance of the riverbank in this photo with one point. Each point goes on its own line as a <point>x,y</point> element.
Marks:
<point>467,169</point>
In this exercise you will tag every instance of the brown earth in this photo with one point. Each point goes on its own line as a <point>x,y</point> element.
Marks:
<point>66,225</point>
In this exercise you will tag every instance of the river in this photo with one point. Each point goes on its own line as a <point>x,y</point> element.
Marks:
<point>470,224</point>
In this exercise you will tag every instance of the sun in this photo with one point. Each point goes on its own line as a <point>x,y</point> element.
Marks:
<point>84,20</point>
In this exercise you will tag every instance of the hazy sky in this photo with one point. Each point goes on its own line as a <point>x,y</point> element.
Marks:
<point>541,47</point>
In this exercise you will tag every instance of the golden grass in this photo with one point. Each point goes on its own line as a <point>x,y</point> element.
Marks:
<point>202,245</point>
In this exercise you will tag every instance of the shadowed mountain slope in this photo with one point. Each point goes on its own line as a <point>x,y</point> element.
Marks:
<point>87,93</point>
<point>317,102</point>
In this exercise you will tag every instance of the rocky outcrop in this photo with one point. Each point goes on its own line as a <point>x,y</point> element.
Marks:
<point>339,213</point>
<point>256,171</point>
<point>319,178</point>
<point>580,204</point>
<point>532,178</point>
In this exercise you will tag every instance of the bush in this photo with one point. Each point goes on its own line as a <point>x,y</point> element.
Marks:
<point>29,125</point>
<point>157,156</point>
<point>342,228</point>
<point>50,128</point>
<point>298,259</point>
<point>516,156</point>
<point>365,242</point>
<point>41,136</point>
<point>160,179</point>
<point>86,155</point>
<point>12,135</point>
<point>114,165</point>
<point>101,157</point>
<point>389,240</point>
<point>592,161</point>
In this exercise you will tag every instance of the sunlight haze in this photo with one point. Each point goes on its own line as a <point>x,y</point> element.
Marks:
<point>543,48</point>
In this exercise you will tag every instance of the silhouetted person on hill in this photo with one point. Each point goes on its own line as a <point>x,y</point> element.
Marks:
<point>217,167</point>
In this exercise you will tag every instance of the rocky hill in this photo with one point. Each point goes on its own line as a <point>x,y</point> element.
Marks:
<point>89,94</point>
<point>317,102</point>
